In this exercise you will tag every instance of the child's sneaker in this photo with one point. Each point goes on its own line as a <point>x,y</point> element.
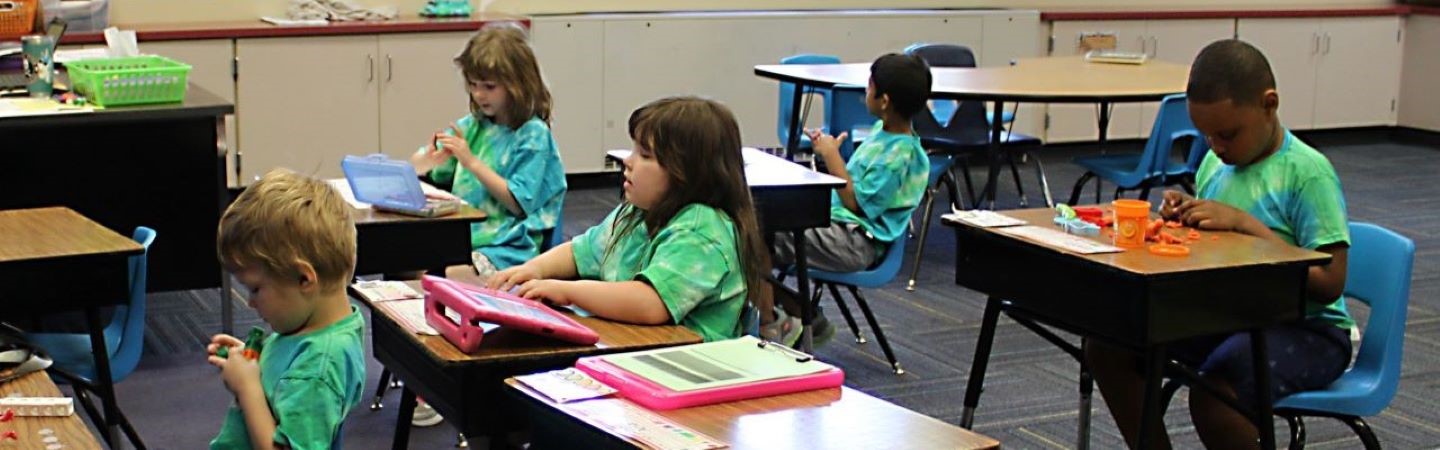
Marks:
<point>425,416</point>
<point>785,329</point>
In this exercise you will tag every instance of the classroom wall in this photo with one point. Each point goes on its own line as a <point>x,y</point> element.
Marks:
<point>153,11</point>
<point>1419,96</point>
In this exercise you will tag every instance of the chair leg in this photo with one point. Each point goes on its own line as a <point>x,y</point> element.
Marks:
<point>875,327</point>
<point>1188,185</point>
<point>924,231</point>
<point>957,203</point>
<point>1044,182</point>
<point>849,318</point>
<point>1079,187</point>
<point>1167,393</point>
<point>1145,193</point>
<point>380,388</point>
<point>460,441</point>
<point>1015,174</point>
<point>969,185</point>
<point>1297,431</point>
<point>1367,436</point>
<point>1087,392</point>
<point>1118,191</point>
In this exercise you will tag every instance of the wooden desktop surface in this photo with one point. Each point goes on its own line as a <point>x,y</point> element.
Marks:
<point>835,418</point>
<point>1226,250</point>
<point>372,216</point>
<point>57,232</point>
<point>1066,79</point>
<point>70,431</point>
<point>502,344</point>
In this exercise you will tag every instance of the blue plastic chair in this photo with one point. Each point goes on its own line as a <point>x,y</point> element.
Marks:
<point>847,112</point>
<point>787,93</point>
<point>1378,273</point>
<point>1147,169</point>
<point>944,55</point>
<point>872,278</point>
<point>124,336</point>
<point>940,173</point>
<point>1184,172</point>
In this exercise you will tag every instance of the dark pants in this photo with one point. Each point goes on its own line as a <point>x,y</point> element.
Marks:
<point>1303,356</point>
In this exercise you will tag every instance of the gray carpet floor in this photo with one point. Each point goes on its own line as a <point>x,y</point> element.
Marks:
<point>1030,401</point>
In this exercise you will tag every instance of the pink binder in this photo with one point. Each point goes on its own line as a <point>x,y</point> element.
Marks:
<point>448,300</point>
<point>656,397</point>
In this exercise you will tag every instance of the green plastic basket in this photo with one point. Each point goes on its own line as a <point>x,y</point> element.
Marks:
<point>129,81</point>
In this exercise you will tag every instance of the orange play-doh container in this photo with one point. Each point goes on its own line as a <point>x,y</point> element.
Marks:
<point>1130,219</point>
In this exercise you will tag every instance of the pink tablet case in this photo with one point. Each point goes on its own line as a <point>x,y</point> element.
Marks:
<point>528,316</point>
<point>654,396</point>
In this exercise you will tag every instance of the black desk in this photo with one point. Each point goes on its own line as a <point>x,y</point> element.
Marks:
<point>161,166</point>
<point>788,197</point>
<point>466,388</point>
<point>1133,299</point>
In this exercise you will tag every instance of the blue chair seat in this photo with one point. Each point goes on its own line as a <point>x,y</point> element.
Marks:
<point>1149,168</point>
<point>73,352</point>
<point>1118,169</point>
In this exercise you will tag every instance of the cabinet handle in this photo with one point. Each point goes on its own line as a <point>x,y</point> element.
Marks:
<point>389,68</point>
<point>1314,43</point>
<point>1154,47</point>
<point>1143,45</point>
<point>370,67</point>
<point>1327,43</point>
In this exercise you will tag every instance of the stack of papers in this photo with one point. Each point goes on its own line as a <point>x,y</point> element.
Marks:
<point>983,218</point>
<point>1053,238</point>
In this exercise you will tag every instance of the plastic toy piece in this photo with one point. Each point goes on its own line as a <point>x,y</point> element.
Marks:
<point>1082,228</point>
<point>1172,224</point>
<point>253,343</point>
<point>1170,250</point>
<point>446,8</point>
<point>1193,235</point>
<point>1089,212</point>
<point>12,435</point>
<point>7,416</point>
<point>1064,211</point>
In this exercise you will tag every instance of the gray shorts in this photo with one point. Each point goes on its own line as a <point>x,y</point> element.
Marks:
<point>840,247</point>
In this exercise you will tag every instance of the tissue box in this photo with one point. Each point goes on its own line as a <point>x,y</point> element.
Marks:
<point>81,15</point>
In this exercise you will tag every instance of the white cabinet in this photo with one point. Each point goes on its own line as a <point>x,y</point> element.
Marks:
<point>1419,100</point>
<point>307,102</point>
<point>601,67</point>
<point>1331,72</point>
<point>1175,41</point>
<point>210,63</point>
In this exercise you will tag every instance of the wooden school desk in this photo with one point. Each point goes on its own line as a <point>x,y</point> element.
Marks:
<point>1134,299</point>
<point>54,260</point>
<point>68,431</point>
<point>465,388</point>
<point>161,166</point>
<point>788,197</point>
<point>1033,80</point>
<point>834,418</point>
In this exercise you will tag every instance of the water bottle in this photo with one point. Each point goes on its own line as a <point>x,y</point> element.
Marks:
<point>39,58</point>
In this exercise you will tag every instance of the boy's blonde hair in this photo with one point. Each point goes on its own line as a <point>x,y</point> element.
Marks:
<point>500,53</point>
<point>284,218</point>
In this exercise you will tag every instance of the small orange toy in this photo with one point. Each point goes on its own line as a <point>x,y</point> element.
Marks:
<point>1170,250</point>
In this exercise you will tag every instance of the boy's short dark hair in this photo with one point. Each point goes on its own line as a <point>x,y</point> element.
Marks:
<point>1229,69</point>
<point>905,78</point>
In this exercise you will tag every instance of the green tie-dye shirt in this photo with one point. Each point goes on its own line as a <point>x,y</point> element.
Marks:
<point>693,263</point>
<point>1296,193</point>
<point>889,173</point>
<point>527,158</point>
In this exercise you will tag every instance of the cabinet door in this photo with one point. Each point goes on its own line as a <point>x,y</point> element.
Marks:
<point>305,103</point>
<point>1079,122</point>
<point>1293,48</point>
<point>1178,41</point>
<point>571,54</point>
<point>421,88</point>
<point>1359,72</point>
<point>210,69</point>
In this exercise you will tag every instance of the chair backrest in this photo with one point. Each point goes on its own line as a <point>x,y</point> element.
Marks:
<point>787,93</point>
<point>1378,273</point>
<point>846,112</point>
<point>943,55</point>
<point>130,318</point>
<point>1172,122</point>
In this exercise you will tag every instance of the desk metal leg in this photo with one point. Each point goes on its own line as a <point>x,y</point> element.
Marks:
<point>982,359</point>
<point>1104,124</point>
<point>402,423</point>
<point>227,304</point>
<point>792,144</point>
<point>1087,392</point>
<point>1151,417</point>
<point>802,283</point>
<point>103,382</point>
<point>997,126</point>
<point>1260,358</point>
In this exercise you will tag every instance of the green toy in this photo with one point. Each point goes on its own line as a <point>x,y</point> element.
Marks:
<point>446,8</point>
<point>253,344</point>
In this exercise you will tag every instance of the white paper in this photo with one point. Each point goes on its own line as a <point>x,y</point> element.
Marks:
<point>566,385</point>
<point>76,54</point>
<point>984,218</point>
<point>280,21</point>
<point>1058,239</point>
<point>343,186</point>
<point>411,312</point>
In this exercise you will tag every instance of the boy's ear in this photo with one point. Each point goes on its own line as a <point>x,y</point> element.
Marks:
<point>308,279</point>
<point>1270,100</point>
